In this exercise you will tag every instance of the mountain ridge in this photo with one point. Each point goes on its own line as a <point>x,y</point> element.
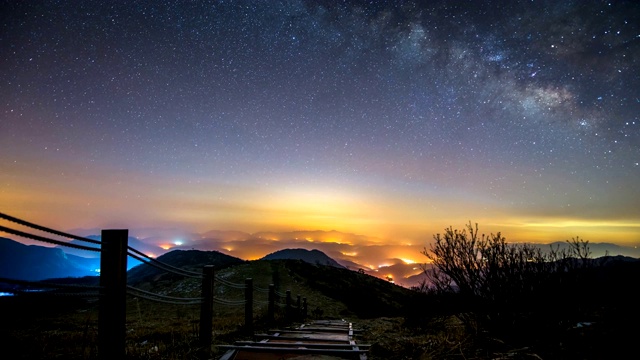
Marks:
<point>315,257</point>
<point>33,262</point>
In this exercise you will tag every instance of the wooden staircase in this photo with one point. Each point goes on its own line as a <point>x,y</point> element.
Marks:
<point>320,339</point>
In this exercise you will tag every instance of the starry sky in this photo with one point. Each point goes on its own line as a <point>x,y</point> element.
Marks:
<point>386,121</point>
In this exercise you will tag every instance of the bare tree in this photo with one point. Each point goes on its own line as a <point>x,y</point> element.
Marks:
<point>499,279</point>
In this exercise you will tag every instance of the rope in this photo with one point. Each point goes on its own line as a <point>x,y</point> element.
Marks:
<point>259,289</point>
<point>161,300</point>
<point>129,287</point>
<point>160,265</point>
<point>184,272</point>
<point>280,294</point>
<point>230,284</point>
<point>47,240</point>
<point>229,302</point>
<point>45,229</point>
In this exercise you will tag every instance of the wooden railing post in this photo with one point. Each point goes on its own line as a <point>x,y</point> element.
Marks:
<point>298,308</point>
<point>271,307</point>
<point>113,294</point>
<point>206,312</point>
<point>248,305</point>
<point>288,308</point>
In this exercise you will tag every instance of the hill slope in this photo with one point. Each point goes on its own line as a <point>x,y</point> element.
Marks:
<point>364,295</point>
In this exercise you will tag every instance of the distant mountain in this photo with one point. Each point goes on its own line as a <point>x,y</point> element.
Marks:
<point>352,265</point>
<point>33,262</point>
<point>614,260</point>
<point>190,260</point>
<point>415,280</point>
<point>598,249</point>
<point>315,257</point>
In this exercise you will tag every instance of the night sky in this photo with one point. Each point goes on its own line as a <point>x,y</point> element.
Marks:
<point>386,121</point>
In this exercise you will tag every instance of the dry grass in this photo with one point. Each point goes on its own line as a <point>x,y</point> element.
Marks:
<point>444,338</point>
<point>162,331</point>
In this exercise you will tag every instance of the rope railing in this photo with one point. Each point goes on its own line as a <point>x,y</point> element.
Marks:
<point>230,284</point>
<point>165,267</point>
<point>229,302</point>
<point>171,302</point>
<point>47,240</point>
<point>114,251</point>
<point>46,229</point>
<point>176,270</point>
<point>162,298</point>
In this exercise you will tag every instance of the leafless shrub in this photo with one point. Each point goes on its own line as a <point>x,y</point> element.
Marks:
<point>500,282</point>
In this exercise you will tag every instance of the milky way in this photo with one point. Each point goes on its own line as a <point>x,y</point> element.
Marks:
<point>390,119</point>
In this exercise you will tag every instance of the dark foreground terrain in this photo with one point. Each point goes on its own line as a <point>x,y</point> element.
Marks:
<point>397,322</point>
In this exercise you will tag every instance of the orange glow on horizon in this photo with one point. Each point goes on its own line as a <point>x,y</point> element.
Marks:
<point>251,257</point>
<point>336,241</point>
<point>349,210</point>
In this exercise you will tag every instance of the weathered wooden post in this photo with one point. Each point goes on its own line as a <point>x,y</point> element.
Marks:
<point>272,304</point>
<point>206,312</point>
<point>113,294</point>
<point>248,305</point>
<point>298,308</point>
<point>288,307</point>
